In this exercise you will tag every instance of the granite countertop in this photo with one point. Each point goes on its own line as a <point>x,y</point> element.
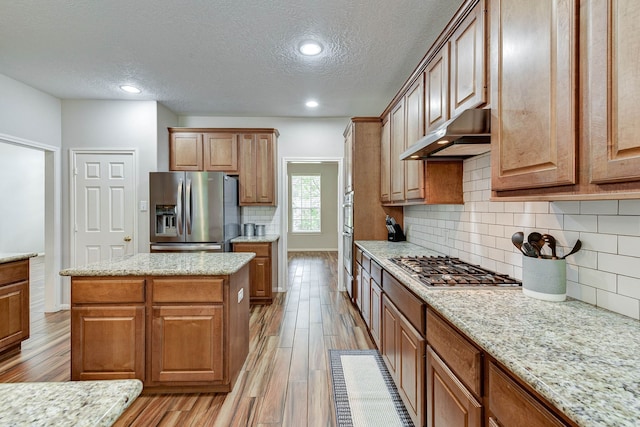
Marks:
<point>74,403</point>
<point>15,256</point>
<point>583,359</point>
<point>267,238</point>
<point>166,264</point>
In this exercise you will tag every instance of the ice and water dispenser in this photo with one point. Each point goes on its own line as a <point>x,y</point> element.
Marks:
<point>166,220</point>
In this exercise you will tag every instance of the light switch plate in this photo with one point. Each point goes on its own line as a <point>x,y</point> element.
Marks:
<point>143,206</point>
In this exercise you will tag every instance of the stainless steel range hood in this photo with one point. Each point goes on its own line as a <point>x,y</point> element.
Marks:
<point>464,136</point>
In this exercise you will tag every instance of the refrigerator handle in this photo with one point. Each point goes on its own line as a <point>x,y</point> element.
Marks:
<point>187,206</point>
<point>179,207</point>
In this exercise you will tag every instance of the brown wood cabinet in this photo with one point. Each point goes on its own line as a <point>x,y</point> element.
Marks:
<point>414,120</point>
<point>258,169</point>
<point>174,333</point>
<point>14,306</point>
<point>263,269</point>
<point>449,403</point>
<point>198,150</point>
<point>398,136</point>
<point>533,126</point>
<point>437,89</point>
<point>385,161</point>
<point>403,350</point>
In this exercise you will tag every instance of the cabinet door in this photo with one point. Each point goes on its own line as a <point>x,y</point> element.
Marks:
<point>389,346</point>
<point>509,404</point>
<point>385,160</point>
<point>376,312</point>
<point>437,89</point>
<point>260,277</point>
<point>411,371</point>
<point>613,90</point>
<point>414,169</point>
<point>120,329</point>
<point>14,314</point>
<point>533,129</point>
<point>248,172</point>
<point>397,147</point>
<point>221,152</point>
<point>348,159</point>
<point>187,343</point>
<point>357,282</point>
<point>366,297</point>
<point>185,151</point>
<point>265,169</point>
<point>467,83</point>
<point>449,403</point>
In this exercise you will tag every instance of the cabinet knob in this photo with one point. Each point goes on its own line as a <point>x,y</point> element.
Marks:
<point>127,238</point>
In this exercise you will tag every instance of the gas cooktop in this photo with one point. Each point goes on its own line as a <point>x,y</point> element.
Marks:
<point>444,271</point>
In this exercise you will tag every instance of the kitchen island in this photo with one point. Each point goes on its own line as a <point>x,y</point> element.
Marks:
<point>76,403</point>
<point>178,322</point>
<point>14,302</point>
<point>577,360</point>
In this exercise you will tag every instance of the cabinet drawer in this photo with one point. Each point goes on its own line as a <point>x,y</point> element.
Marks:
<point>15,271</point>
<point>408,304</point>
<point>107,291</point>
<point>509,403</point>
<point>464,359</point>
<point>376,272</point>
<point>173,290</point>
<point>366,261</point>
<point>260,249</point>
<point>359,255</point>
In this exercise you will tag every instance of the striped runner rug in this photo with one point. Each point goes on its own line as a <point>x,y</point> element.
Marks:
<point>364,392</point>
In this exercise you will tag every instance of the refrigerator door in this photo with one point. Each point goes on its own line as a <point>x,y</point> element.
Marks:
<point>166,193</point>
<point>204,207</point>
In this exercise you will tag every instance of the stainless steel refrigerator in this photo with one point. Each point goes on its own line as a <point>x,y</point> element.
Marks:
<point>193,211</point>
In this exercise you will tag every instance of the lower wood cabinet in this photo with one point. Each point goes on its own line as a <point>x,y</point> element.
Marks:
<point>449,403</point>
<point>263,269</point>
<point>376,313</point>
<point>403,352</point>
<point>365,297</point>
<point>14,306</point>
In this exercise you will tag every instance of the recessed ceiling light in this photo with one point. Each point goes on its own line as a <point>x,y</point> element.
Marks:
<point>310,48</point>
<point>130,89</point>
<point>312,104</point>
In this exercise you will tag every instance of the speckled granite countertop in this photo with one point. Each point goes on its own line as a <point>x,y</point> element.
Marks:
<point>166,264</point>
<point>12,256</point>
<point>74,403</point>
<point>267,238</point>
<point>583,359</point>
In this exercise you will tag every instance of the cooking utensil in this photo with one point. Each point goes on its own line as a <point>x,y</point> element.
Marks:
<point>536,241</point>
<point>517,239</point>
<point>551,241</point>
<point>528,250</point>
<point>575,249</point>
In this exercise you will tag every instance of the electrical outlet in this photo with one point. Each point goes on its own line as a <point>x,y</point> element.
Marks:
<point>240,295</point>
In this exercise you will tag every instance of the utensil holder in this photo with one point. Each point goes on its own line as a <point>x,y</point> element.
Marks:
<point>249,229</point>
<point>544,279</point>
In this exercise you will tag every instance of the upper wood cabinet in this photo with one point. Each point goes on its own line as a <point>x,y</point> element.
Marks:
<point>613,89</point>
<point>385,160</point>
<point>397,148</point>
<point>199,150</point>
<point>437,89</point>
<point>533,125</point>
<point>414,169</point>
<point>258,169</point>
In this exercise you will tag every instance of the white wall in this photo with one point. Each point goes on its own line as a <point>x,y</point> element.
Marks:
<point>166,119</point>
<point>327,239</point>
<point>111,125</point>
<point>605,272</point>
<point>22,193</point>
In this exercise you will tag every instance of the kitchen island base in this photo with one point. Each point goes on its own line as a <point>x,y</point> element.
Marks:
<point>174,333</point>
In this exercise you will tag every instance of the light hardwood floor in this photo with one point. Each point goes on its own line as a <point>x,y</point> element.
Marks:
<point>285,380</point>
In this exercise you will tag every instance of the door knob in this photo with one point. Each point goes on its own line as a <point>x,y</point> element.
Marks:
<point>127,238</point>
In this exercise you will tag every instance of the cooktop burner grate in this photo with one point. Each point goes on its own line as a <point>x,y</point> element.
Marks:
<point>452,272</point>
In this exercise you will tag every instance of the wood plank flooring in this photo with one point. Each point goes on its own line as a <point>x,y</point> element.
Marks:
<point>285,380</point>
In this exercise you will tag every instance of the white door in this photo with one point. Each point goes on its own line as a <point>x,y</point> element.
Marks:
<point>104,206</point>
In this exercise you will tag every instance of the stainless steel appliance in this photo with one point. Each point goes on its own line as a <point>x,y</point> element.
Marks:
<point>451,272</point>
<point>193,211</point>
<point>347,242</point>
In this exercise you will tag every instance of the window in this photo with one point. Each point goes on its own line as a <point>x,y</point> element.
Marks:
<point>305,203</point>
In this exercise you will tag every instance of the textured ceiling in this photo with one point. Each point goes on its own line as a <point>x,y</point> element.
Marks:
<point>222,57</point>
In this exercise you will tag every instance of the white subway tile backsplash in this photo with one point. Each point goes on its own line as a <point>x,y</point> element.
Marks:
<point>629,286</point>
<point>619,303</point>
<point>479,231</point>
<point>599,207</point>
<point>619,224</point>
